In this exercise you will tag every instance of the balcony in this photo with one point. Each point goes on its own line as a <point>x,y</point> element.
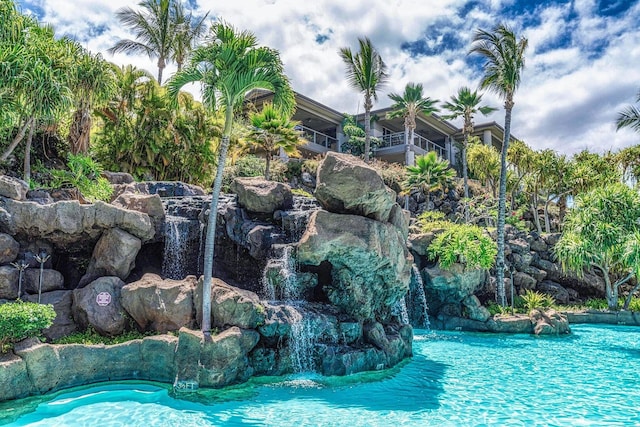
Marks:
<point>319,138</point>
<point>394,139</point>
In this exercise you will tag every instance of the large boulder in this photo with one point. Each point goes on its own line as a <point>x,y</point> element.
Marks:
<point>9,249</point>
<point>258,195</point>
<point>13,188</point>
<point>9,277</point>
<point>231,306</point>
<point>348,185</point>
<point>98,305</point>
<point>69,223</point>
<point>370,263</point>
<point>52,280</point>
<point>451,286</point>
<point>63,323</point>
<point>160,305</point>
<point>114,255</point>
<point>150,204</point>
<point>549,322</point>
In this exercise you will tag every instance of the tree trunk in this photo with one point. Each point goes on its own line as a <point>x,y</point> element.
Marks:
<point>266,168</point>
<point>27,155</point>
<point>547,221</point>
<point>209,245</point>
<point>17,139</point>
<point>465,177</point>
<point>611,292</point>
<point>367,126</point>
<point>502,201</point>
<point>161,65</point>
<point>79,133</point>
<point>627,300</point>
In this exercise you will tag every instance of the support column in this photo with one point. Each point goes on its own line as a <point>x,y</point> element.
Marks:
<point>339,138</point>
<point>486,137</point>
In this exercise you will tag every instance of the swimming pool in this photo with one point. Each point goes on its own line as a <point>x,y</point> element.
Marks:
<point>454,379</point>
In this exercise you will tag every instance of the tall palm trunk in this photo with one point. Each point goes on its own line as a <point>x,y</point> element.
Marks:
<point>502,202</point>
<point>367,126</point>
<point>209,246</point>
<point>161,65</point>
<point>465,177</point>
<point>27,154</point>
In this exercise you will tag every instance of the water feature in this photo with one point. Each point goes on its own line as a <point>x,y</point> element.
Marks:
<point>279,275</point>
<point>454,379</point>
<point>183,237</point>
<point>421,297</point>
<point>400,310</point>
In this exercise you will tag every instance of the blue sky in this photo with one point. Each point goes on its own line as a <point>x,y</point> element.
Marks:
<point>582,64</point>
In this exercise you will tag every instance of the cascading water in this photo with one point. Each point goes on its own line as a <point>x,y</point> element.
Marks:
<point>183,237</point>
<point>280,273</point>
<point>301,344</point>
<point>400,310</point>
<point>174,260</point>
<point>422,298</point>
<point>280,282</point>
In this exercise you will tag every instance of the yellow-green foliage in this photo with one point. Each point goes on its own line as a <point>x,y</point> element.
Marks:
<point>532,300</point>
<point>20,320</point>
<point>462,243</point>
<point>83,174</point>
<point>91,337</point>
<point>431,220</point>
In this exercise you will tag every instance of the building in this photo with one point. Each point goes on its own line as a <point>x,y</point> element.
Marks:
<point>322,127</point>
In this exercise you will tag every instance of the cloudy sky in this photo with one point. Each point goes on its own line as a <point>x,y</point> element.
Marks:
<point>582,64</point>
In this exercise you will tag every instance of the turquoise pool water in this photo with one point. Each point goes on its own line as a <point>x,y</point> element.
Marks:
<point>591,378</point>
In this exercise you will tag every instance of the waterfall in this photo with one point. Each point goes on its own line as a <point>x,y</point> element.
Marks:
<point>279,275</point>
<point>422,298</point>
<point>301,344</point>
<point>174,260</point>
<point>400,310</point>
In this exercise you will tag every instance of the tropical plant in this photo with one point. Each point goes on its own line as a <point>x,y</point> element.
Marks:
<point>602,233</point>
<point>83,174</point>
<point>355,137</point>
<point>20,320</point>
<point>366,72</point>
<point>93,81</point>
<point>466,104</point>
<point>504,60</point>
<point>629,117</point>
<point>484,163</point>
<point>271,129</point>
<point>408,106</point>
<point>228,67</point>
<point>534,300</point>
<point>162,30</point>
<point>429,173</point>
<point>465,244</point>
<point>145,133</point>
<point>188,29</point>
<point>35,79</point>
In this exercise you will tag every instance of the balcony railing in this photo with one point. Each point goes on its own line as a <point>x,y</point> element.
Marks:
<point>319,138</point>
<point>397,138</point>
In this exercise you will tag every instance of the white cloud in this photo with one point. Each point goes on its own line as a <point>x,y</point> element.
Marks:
<point>570,92</point>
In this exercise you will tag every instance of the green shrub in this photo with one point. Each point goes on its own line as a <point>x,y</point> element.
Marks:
<point>462,243</point>
<point>596,304</point>
<point>634,305</point>
<point>250,165</point>
<point>83,174</point>
<point>532,300</point>
<point>91,337</point>
<point>495,308</point>
<point>429,220</point>
<point>301,192</point>
<point>20,320</point>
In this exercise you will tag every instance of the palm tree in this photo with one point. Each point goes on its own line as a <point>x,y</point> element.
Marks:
<point>504,61</point>
<point>466,105</point>
<point>429,173</point>
<point>629,117</point>
<point>93,82</point>
<point>272,130</point>
<point>188,29</point>
<point>162,31</point>
<point>228,67</point>
<point>408,105</point>
<point>366,72</point>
